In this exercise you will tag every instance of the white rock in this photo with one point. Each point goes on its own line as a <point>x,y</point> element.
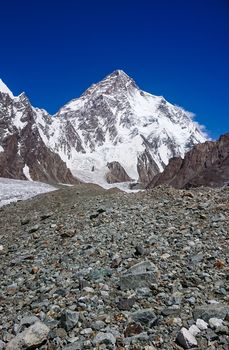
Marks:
<point>215,322</point>
<point>186,339</point>
<point>88,290</point>
<point>86,331</point>
<point>32,337</point>
<point>177,321</point>
<point>165,256</point>
<point>194,330</point>
<point>201,324</point>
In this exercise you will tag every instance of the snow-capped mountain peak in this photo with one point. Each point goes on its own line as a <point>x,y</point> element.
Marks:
<point>4,89</point>
<point>115,121</point>
<point>113,132</point>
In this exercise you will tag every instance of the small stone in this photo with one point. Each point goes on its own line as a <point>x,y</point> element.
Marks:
<point>173,310</point>
<point>88,290</point>
<point>186,339</point>
<point>210,335</point>
<point>104,338</point>
<point>46,216</point>
<point>125,303</point>
<point>61,333</point>
<point>87,345</point>
<point>68,233</point>
<point>98,325</point>
<point>144,316</point>
<point>2,345</point>
<point>165,256</point>
<point>194,330</point>
<point>34,228</point>
<point>139,250</point>
<point>116,261</point>
<point>78,345</point>
<point>140,275</point>
<point>215,322</point>
<point>25,221</point>
<point>69,319</point>
<point>86,331</point>
<point>201,324</point>
<point>222,330</point>
<point>104,294</point>
<point>132,329</point>
<point>34,269</point>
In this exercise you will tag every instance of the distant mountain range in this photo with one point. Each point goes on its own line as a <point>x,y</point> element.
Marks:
<point>114,132</point>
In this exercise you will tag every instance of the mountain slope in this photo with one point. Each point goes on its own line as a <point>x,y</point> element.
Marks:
<point>206,164</point>
<point>115,121</point>
<point>23,154</point>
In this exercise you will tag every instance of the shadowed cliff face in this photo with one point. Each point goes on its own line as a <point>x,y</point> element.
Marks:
<point>116,173</point>
<point>22,146</point>
<point>207,164</point>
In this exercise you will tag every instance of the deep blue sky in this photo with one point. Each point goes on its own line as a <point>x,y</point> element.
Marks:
<point>53,50</point>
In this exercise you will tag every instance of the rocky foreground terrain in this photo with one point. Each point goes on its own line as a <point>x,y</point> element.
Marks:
<point>85,268</point>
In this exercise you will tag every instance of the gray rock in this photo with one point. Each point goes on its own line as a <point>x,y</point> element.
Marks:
<point>215,322</point>
<point>125,303</point>
<point>97,325</point>
<point>26,322</point>
<point>186,339</point>
<point>2,345</point>
<point>211,311</point>
<point>144,316</point>
<point>140,275</point>
<point>142,267</point>
<point>78,345</point>
<point>34,228</point>
<point>69,319</point>
<point>104,338</point>
<point>32,337</point>
<point>172,310</point>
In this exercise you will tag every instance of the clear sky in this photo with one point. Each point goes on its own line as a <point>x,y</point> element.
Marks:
<point>54,50</point>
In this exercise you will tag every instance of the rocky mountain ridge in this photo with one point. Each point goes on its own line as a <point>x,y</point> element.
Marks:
<point>112,122</point>
<point>206,164</point>
<point>23,154</point>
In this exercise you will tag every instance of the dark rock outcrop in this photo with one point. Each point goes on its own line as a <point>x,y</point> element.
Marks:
<point>207,164</point>
<point>116,173</point>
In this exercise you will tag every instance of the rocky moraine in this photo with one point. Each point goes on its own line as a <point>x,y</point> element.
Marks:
<point>85,268</point>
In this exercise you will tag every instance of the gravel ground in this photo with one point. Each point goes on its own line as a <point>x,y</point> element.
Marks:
<point>86,268</point>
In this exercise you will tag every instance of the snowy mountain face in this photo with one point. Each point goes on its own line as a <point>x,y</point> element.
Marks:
<point>114,122</point>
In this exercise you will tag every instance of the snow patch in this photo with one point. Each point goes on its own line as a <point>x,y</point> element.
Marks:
<point>14,190</point>
<point>27,173</point>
